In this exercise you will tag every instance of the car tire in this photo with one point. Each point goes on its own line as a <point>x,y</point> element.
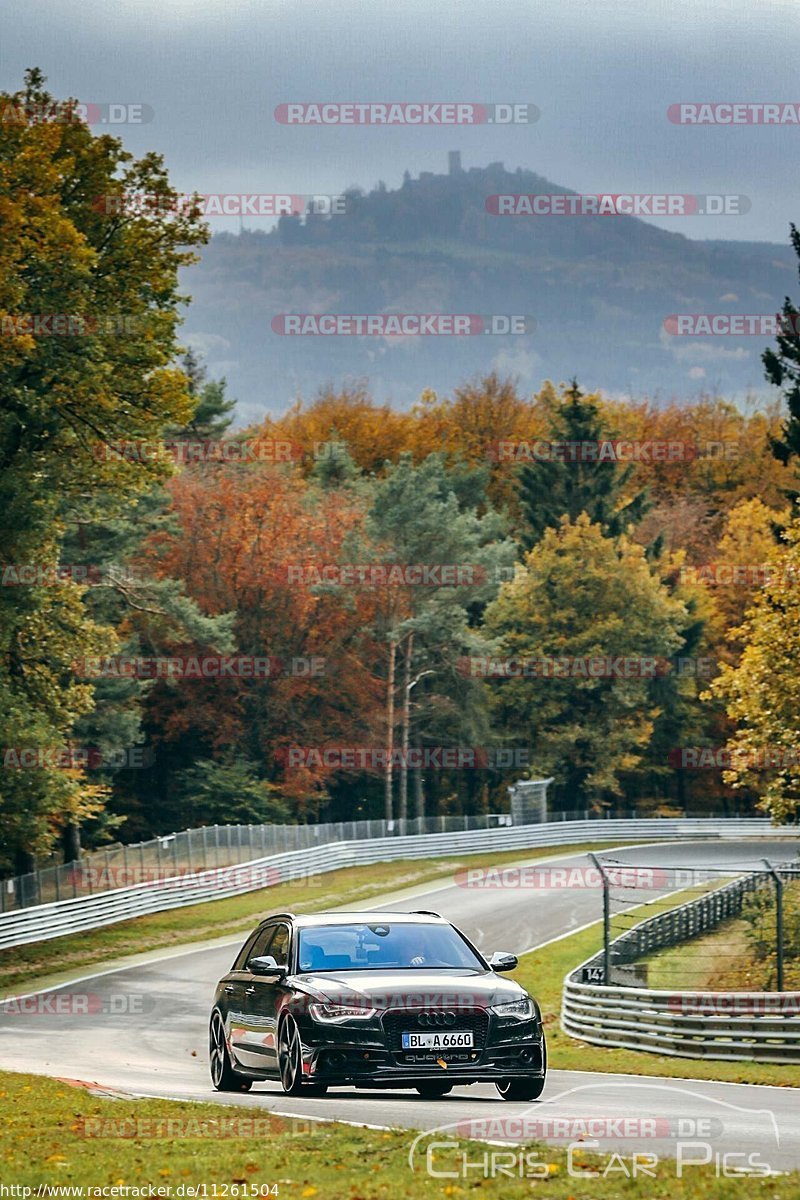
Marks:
<point>525,1087</point>
<point>290,1057</point>
<point>223,1076</point>
<point>433,1090</point>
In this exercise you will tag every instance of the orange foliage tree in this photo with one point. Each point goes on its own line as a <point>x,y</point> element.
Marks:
<point>374,433</point>
<point>244,536</point>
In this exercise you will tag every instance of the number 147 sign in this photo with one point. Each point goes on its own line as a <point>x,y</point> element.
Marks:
<point>592,975</point>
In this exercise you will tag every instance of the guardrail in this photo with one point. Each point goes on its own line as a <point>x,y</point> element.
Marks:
<point>120,865</point>
<point>737,1026</point>
<point>208,846</point>
<point>74,915</point>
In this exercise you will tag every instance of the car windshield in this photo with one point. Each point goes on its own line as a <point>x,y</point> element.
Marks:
<point>384,946</point>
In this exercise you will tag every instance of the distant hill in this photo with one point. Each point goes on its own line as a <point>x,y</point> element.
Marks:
<point>598,287</point>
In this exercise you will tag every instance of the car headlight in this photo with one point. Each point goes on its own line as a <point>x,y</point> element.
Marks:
<point>521,1009</point>
<point>334,1014</point>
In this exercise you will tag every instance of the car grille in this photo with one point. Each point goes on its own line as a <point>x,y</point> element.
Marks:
<point>400,1021</point>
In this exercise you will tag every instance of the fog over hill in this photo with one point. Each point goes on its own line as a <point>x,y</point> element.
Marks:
<point>598,287</point>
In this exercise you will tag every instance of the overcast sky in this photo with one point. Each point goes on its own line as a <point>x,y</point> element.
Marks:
<point>602,73</point>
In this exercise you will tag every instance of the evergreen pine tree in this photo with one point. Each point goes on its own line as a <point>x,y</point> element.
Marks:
<point>553,487</point>
<point>211,418</point>
<point>782,368</point>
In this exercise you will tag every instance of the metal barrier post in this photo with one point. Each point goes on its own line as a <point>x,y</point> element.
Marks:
<point>778,922</point>
<point>606,920</point>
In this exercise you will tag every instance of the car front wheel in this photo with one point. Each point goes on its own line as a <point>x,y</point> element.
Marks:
<point>525,1087</point>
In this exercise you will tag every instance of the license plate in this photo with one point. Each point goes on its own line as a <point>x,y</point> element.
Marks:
<point>450,1040</point>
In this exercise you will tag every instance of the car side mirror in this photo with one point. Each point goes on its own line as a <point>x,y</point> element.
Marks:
<point>265,964</point>
<point>502,961</point>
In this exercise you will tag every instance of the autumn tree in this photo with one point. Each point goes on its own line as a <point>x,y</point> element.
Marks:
<point>713,454</point>
<point>89,311</point>
<point>660,779</point>
<point>152,616</point>
<point>761,691</point>
<point>474,424</point>
<point>580,596</point>
<point>247,542</point>
<point>373,433</point>
<point>745,556</point>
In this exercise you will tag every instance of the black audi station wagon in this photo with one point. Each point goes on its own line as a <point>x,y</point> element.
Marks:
<point>374,1000</point>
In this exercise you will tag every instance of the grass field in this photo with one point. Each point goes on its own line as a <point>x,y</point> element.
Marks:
<point>731,957</point>
<point>56,1136</point>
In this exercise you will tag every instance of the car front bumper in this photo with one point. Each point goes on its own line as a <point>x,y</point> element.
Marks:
<point>364,1057</point>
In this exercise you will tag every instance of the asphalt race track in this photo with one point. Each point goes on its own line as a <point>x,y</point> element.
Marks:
<point>155,1043</point>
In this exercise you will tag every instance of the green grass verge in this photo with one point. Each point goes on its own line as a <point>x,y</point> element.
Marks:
<point>736,956</point>
<point>542,972</point>
<point>718,961</point>
<point>162,1145</point>
<point>40,961</point>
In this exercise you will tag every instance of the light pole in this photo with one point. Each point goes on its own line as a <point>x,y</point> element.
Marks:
<point>410,684</point>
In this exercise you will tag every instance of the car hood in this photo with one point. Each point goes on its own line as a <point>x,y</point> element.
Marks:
<point>410,989</point>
